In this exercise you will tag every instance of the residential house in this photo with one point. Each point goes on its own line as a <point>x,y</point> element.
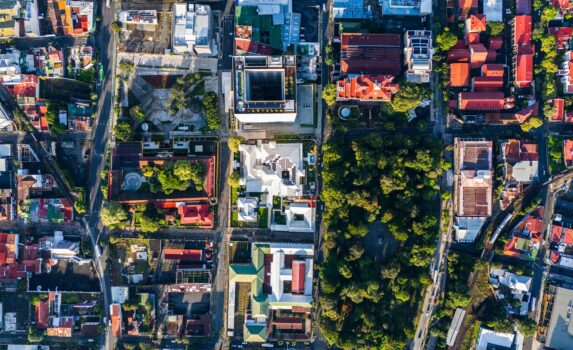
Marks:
<point>459,75</point>
<point>520,166</point>
<point>406,7</point>
<point>525,239</point>
<point>116,320</point>
<point>566,73</point>
<point>568,152</point>
<point>351,9</point>
<point>489,339</point>
<point>518,290</point>
<point>474,186</point>
<point>561,244</point>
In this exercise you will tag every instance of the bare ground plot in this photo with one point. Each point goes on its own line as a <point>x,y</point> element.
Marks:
<point>64,89</point>
<point>379,243</point>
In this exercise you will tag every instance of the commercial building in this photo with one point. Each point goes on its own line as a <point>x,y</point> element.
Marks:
<point>406,7</point>
<point>366,88</point>
<point>264,89</point>
<point>374,54</point>
<point>489,339</point>
<point>560,328</point>
<point>418,52</point>
<point>473,191</point>
<point>270,296</point>
<point>192,29</point>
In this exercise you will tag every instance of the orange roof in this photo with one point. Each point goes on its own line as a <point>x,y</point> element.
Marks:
<point>478,55</point>
<point>459,74</point>
<point>522,30</point>
<point>458,55</point>
<point>482,101</point>
<point>559,105</point>
<point>367,88</point>
<point>115,315</point>
<point>487,84</point>
<point>568,150</point>
<point>495,43</point>
<point>476,23</point>
<point>492,70</point>
<point>472,38</point>
<point>198,214</point>
<point>524,71</point>
<point>568,239</point>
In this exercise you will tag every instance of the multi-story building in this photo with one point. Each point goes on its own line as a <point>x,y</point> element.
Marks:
<point>523,51</point>
<point>406,7</point>
<point>8,11</point>
<point>192,29</point>
<point>264,89</point>
<point>366,88</point>
<point>375,54</point>
<point>473,186</point>
<point>418,54</point>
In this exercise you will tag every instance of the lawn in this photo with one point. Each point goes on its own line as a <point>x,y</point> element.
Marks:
<point>263,217</point>
<point>556,162</point>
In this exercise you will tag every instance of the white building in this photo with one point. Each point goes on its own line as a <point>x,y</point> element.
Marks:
<point>119,294</point>
<point>518,285</point>
<point>247,209</point>
<point>418,53</point>
<point>493,10</point>
<point>58,247</point>
<point>489,339</point>
<point>273,168</point>
<point>10,63</point>
<point>468,227</point>
<point>300,217</point>
<point>566,73</point>
<point>192,29</point>
<point>147,18</point>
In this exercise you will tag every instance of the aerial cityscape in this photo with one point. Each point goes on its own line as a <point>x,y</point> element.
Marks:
<point>286,174</point>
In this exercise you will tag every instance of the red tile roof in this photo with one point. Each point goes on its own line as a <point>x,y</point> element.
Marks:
<point>375,54</point>
<point>115,315</point>
<point>367,88</point>
<point>562,35</point>
<point>568,151</point>
<point>459,74</point>
<point>476,23</point>
<point>183,254</point>
<point>487,84</point>
<point>562,4</point>
<point>298,276</point>
<point>492,70</point>
<point>559,105</point>
<point>42,314</point>
<point>243,46</point>
<point>524,71</point>
<point>522,30</point>
<point>478,55</point>
<point>495,43</point>
<point>196,214</point>
<point>472,38</point>
<point>458,55</point>
<point>481,101</point>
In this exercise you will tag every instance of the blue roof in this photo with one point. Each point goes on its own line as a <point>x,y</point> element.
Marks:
<point>351,9</point>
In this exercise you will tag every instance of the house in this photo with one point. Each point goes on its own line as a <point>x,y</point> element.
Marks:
<point>519,287</point>
<point>247,209</point>
<point>563,36</point>
<point>487,84</point>
<point>196,214</point>
<point>558,334</point>
<point>264,89</point>
<point>481,101</point>
<point>366,88</point>
<point>561,245</point>
<point>71,17</point>
<point>376,54</point>
<point>523,59</point>
<point>568,152</point>
<point>418,53</point>
<point>10,63</point>
<point>116,320</point>
<point>300,216</point>
<point>351,9</point>
<point>489,339</point>
<point>476,23</point>
<point>192,29</point>
<point>520,166</point>
<point>60,327</point>
<point>459,75</point>
<point>474,186</point>
<point>525,239</point>
<point>274,293</point>
<point>559,105</point>
<point>58,247</point>
<point>478,55</point>
<point>465,7</point>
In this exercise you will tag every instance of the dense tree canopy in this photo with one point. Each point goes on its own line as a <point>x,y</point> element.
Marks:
<point>446,39</point>
<point>179,175</point>
<point>409,97</point>
<point>393,179</point>
<point>113,214</point>
<point>329,94</point>
<point>495,28</point>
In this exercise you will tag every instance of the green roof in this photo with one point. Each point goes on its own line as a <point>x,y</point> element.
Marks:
<point>522,244</point>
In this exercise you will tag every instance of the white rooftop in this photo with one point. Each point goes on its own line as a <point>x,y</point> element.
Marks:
<point>488,339</point>
<point>467,228</point>
<point>300,217</point>
<point>247,209</point>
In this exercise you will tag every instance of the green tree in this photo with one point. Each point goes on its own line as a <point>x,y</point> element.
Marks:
<point>136,113</point>
<point>211,106</point>
<point>113,214</point>
<point>527,327</point>
<point>123,131</point>
<point>531,123</point>
<point>233,180</point>
<point>179,175</point>
<point>147,346</point>
<point>495,28</point>
<point>549,110</point>
<point>149,224</point>
<point>34,335</point>
<point>116,26</point>
<point>446,39</point>
<point>329,94</point>
<point>409,97</point>
<point>129,346</point>
<point>80,203</point>
<point>234,142</point>
<point>549,13</point>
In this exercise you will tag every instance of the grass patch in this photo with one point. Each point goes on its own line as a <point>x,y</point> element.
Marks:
<point>234,219</point>
<point>263,217</point>
<point>556,161</point>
